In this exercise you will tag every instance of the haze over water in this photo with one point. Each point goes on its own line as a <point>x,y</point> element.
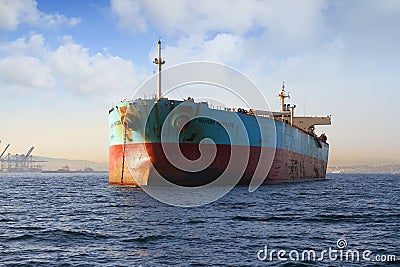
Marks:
<point>79,219</point>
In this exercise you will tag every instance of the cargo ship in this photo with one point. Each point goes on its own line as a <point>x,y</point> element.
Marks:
<point>144,134</point>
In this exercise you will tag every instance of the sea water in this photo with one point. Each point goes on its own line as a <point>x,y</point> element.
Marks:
<point>78,219</point>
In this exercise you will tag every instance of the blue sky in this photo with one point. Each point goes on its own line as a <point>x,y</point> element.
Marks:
<point>63,64</point>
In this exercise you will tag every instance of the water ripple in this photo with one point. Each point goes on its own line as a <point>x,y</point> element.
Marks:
<point>79,220</point>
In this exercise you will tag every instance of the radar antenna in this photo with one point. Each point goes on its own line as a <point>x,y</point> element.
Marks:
<point>282,96</point>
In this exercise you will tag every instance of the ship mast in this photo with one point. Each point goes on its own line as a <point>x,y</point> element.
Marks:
<point>158,61</point>
<point>282,96</point>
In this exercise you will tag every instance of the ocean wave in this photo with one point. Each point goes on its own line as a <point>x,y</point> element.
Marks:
<point>258,219</point>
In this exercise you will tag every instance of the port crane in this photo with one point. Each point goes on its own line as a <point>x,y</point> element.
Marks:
<point>4,151</point>
<point>28,154</point>
<point>19,162</point>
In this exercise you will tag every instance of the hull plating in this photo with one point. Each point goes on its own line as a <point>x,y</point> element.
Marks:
<point>135,152</point>
<point>287,166</point>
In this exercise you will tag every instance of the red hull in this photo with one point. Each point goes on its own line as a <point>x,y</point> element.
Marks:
<point>136,167</point>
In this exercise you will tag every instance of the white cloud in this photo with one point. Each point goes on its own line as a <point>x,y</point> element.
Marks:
<point>15,12</point>
<point>22,73</point>
<point>23,65</point>
<point>248,35</point>
<point>83,73</point>
<point>29,65</point>
<point>223,48</point>
<point>52,20</point>
<point>289,20</point>
<point>34,46</point>
<point>369,29</point>
<point>180,16</point>
<point>129,15</point>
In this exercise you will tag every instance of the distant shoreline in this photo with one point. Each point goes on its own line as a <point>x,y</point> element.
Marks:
<point>55,171</point>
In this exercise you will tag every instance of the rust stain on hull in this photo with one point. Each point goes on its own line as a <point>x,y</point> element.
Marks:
<point>286,167</point>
